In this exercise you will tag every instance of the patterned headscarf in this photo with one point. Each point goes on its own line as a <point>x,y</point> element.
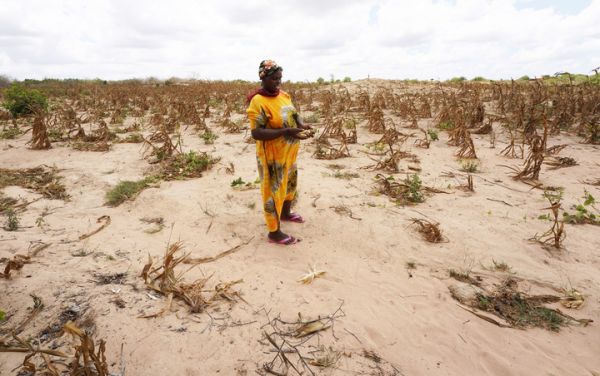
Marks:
<point>267,68</point>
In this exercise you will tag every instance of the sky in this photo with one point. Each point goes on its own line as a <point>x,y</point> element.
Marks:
<point>225,40</point>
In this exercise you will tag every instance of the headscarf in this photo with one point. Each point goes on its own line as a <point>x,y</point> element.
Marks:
<point>267,68</point>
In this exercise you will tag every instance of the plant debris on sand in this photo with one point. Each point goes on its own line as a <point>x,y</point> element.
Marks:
<point>520,310</point>
<point>164,280</point>
<point>41,179</point>
<point>429,230</point>
<point>16,263</point>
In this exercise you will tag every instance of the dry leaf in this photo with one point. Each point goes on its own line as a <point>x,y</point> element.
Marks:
<point>311,275</point>
<point>310,328</point>
<point>573,299</point>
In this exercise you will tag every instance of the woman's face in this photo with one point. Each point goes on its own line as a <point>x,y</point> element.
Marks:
<point>271,83</point>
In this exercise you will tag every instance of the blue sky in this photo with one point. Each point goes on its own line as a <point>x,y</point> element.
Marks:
<point>220,39</point>
<point>569,7</point>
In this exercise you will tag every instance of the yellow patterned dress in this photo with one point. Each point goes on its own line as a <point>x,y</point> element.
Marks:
<point>276,158</point>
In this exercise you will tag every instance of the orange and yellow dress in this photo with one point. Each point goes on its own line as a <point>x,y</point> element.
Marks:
<point>276,158</point>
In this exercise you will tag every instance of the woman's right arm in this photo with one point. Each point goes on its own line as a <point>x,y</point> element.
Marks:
<point>266,134</point>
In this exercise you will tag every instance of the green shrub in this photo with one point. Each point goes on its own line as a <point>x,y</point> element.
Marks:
<point>433,134</point>
<point>22,101</point>
<point>414,189</point>
<point>209,137</point>
<point>458,79</point>
<point>12,220</point>
<point>188,165</point>
<point>347,79</point>
<point>479,79</point>
<point>127,190</point>
<point>523,78</point>
<point>469,165</point>
<point>320,80</point>
<point>446,125</point>
<point>583,212</point>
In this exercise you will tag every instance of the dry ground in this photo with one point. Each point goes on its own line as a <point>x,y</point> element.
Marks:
<point>392,286</point>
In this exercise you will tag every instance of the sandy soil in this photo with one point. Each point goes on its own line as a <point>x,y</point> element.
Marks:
<point>407,317</point>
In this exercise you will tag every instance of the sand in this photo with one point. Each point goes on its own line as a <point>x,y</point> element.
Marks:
<point>406,316</point>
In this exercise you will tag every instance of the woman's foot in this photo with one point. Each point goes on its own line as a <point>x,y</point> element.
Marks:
<point>280,237</point>
<point>292,217</point>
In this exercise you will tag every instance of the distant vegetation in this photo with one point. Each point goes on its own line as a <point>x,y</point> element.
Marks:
<point>19,100</point>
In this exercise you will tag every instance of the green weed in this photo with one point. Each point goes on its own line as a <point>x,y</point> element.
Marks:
<point>583,212</point>
<point>209,137</point>
<point>12,220</point>
<point>433,134</point>
<point>414,189</point>
<point>128,190</point>
<point>469,165</point>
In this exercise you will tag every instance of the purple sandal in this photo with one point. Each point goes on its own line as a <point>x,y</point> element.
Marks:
<point>288,240</point>
<point>294,217</point>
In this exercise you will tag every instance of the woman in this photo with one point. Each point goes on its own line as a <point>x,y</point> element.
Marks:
<point>276,126</point>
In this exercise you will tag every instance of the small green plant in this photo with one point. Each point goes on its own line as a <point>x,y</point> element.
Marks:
<point>445,125</point>
<point>414,189</point>
<point>583,213</point>
<point>469,165</point>
<point>376,146</point>
<point>12,220</point>
<point>320,80</point>
<point>238,182</point>
<point>133,138</point>
<point>209,137</point>
<point>127,190</point>
<point>479,79</point>
<point>483,302</point>
<point>433,134</point>
<point>192,163</point>
<point>350,124</point>
<point>10,133</point>
<point>22,101</point>
<point>347,79</point>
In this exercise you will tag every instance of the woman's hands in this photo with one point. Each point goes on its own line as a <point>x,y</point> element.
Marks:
<point>293,132</point>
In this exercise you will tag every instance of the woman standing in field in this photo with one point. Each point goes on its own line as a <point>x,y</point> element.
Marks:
<point>277,128</point>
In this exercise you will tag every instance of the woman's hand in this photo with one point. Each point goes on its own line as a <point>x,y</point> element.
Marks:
<point>293,132</point>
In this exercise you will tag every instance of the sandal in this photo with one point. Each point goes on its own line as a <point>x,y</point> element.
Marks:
<point>294,217</point>
<point>288,240</point>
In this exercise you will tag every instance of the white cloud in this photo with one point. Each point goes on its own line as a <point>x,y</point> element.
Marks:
<point>227,39</point>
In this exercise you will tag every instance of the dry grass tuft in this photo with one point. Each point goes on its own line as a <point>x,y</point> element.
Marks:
<point>429,230</point>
